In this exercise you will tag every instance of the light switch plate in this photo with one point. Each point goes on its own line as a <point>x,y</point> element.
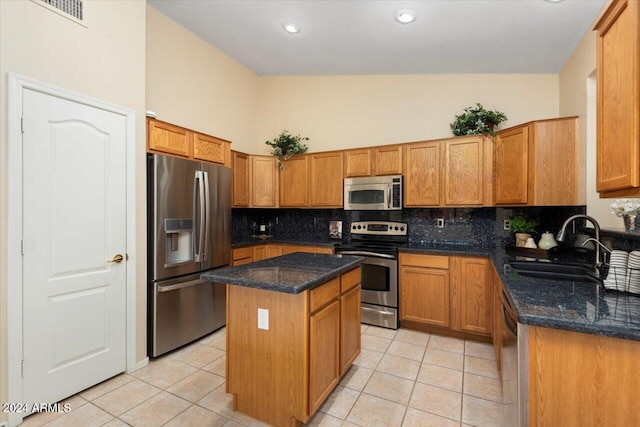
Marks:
<point>263,319</point>
<point>440,223</point>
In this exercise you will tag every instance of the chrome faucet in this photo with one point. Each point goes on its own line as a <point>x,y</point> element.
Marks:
<point>561,234</point>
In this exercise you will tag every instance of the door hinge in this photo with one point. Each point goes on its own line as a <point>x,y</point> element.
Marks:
<point>22,124</point>
<point>22,368</point>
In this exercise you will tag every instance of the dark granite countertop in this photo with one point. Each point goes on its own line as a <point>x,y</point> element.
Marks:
<point>573,306</point>
<point>292,273</point>
<point>249,241</point>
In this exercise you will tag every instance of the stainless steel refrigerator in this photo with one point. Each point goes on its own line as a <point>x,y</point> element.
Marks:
<point>189,232</point>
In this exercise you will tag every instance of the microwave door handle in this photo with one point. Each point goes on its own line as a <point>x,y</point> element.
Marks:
<point>388,196</point>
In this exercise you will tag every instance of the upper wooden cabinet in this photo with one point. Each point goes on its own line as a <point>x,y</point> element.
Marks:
<point>536,164</point>
<point>325,179</point>
<point>264,181</point>
<point>241,189</point>
<point>618,99</point>
<point>210,149</point>
<point>422,174</point>
<point>465,166</point>
<point>357,163</point>
<point>387,160</point>
<point>165,138</point>
<point>382,160</point>
<point>452,172</point>
<point>511,160</point>
<point>294,182</point>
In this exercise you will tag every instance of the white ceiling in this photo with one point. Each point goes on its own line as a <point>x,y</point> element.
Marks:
<point>342,37</point>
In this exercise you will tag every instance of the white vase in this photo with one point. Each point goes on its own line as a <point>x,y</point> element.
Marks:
<point>531,244</point>
<point>547,241</point>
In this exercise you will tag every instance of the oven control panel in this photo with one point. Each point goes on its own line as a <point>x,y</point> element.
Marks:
<point>379,228</point>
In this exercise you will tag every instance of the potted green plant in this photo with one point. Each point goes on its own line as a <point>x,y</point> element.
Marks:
<point>476,120</point>
<point>286,145</point>
<point>522,227</point>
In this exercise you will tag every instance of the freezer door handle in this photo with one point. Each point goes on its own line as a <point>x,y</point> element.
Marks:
<point>169,288</point>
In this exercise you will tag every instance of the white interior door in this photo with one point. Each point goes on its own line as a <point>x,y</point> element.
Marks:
<point>74,223</point>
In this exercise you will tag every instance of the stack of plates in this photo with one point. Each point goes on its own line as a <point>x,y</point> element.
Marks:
<point>617,278</point>
<point>634,272</point>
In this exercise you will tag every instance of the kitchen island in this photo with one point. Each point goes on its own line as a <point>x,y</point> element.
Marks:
<point>293,329</point>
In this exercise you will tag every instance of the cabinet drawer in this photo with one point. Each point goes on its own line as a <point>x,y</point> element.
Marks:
<point>240,253</point>
<point>349,279</point>
<point>418,260</point>
<point>324,293</point>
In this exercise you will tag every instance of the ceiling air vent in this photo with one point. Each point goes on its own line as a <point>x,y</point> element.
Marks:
<point>73,9</point>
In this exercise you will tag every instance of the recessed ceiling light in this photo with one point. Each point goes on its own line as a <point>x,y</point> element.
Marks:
<point>554,1</point>
<point>291,28</point>
<point>405,16</point>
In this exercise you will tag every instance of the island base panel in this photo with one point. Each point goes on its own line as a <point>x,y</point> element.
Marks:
<point>266,368</point>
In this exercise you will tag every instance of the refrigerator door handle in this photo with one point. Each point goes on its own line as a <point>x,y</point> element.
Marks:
<point>199,210</point>
<point>168,288</point>
<point>196,249</point>
<point>207,215</point>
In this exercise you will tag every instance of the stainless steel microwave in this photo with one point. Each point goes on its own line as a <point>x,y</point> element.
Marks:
<point>380,193</point>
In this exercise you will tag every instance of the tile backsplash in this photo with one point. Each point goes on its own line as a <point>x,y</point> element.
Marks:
<point>474,226</point>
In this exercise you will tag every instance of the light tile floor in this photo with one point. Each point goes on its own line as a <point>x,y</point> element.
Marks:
<point>401,378</point>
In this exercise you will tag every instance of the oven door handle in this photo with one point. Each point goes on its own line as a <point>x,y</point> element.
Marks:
<point>364,253</point>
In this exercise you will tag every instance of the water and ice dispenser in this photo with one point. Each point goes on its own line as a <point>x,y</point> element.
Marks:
<point>179,240</point>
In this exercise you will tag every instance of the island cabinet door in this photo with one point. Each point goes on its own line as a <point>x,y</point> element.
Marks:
<point>324,352</point>
<point>349,320</point>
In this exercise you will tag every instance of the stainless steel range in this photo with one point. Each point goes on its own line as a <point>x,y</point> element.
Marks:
<point>377,242</point>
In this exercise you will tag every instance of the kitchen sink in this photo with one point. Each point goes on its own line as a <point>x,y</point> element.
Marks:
<point>555,271</point>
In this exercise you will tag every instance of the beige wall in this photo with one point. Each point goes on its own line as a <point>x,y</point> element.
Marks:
<point>104,60</point>
<point>577,98</point>
<point>355,111</point>
<point>192,84</point>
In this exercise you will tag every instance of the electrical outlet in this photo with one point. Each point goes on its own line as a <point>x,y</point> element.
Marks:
<point>263,319</point>
<point>440,223</point>
<point>507,225</point>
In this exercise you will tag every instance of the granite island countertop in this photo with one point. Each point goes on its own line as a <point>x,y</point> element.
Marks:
<point>573,306</point>
<point>292,273</point>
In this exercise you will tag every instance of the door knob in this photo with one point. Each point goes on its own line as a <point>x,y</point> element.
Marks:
<point>117,258</point>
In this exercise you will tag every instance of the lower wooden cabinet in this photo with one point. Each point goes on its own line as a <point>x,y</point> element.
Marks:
<point>349,319</point>
<point>424,295</point>
<point>449,293</point>
<point>471,295</point>
<point>262,251</point>
<point>497,321</point>
<point>290,248</point>
<point>240,256</point>
<point>324,353</point>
